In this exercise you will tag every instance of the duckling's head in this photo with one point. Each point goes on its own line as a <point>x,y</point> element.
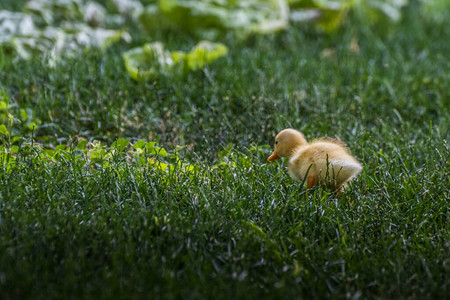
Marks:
<point>286,142</point>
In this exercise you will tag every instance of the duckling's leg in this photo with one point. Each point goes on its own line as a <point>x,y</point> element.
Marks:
<point>311,181</point>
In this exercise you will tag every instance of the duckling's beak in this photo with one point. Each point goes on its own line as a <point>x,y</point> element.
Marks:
<point>273,157</point>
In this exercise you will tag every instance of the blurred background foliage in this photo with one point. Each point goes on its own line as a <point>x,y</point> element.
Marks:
<point>53,27</point>
<point>140,69</point>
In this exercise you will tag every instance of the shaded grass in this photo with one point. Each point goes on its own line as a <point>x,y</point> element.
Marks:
<point>242,229</point>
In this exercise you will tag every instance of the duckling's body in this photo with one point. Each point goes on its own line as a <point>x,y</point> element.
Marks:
<point>323,162</point>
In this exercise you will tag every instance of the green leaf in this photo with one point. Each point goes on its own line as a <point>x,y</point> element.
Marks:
<point>4,97</point>
<point>212,19</point>
<point>161,151</point>
<point>82,144</point>
<point>3,130</point>
<point>14,149</point>
<point>152,60</point>
<point>23,115</point>
<point>150,146</point>
<point>139,145</point>
<point>202,54</point>
<point>148,61</point>
<point>120,144</point>
<point>162,166</point>
<point>49,152</point>
<point>328,15</point>
<point>158,165</point>
<point>19,32</point>
<point>32,126</point>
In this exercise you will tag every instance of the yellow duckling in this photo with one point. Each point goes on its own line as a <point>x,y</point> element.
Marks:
<point>324,162</point>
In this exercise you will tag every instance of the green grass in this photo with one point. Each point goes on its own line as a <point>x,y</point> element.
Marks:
<point>235,227</point>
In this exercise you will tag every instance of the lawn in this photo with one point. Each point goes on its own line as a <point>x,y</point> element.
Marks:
<point>116,188</point>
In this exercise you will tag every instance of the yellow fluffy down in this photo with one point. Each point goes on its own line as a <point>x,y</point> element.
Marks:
<point>324,162</point>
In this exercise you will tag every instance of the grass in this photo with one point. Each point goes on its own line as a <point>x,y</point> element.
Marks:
<point>235,226</point>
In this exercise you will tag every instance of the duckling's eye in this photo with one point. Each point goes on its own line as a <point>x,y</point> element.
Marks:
<point>276,142</point>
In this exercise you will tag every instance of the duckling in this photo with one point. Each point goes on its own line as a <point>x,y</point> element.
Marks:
<point>324,162</point>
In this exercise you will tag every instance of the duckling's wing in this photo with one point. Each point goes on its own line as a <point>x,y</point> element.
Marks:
<point>345,170</point>
<point>339,170</point>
